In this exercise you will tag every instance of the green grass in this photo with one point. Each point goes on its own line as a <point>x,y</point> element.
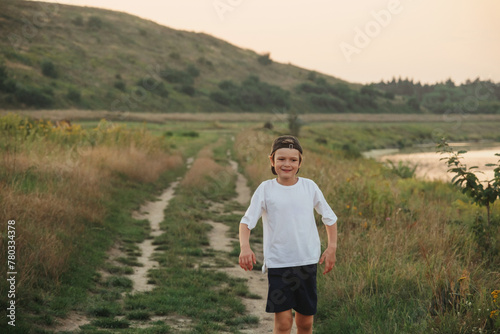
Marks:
<point>381,284</point>
<point>366,136</point>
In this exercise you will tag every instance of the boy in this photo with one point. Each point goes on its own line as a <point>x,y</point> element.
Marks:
<point>291,241</point>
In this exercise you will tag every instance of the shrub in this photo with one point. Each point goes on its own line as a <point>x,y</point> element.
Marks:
<point>175,55</point>
<point>403,170</point>
<point>265,59</point>
<point>73,95</point>
<point>370,91</point>
<point>3,74</point>
<point>228,85</point>
<point>78,21</point>
<point>328,102</point>
<point>49,69</point>
<point>176,76</point>
<point>250,94</point>
<point>94,23</point>
<point>413,103</point>
<point>311,76</point>
<point>389,95</point>
<point>205,62</point>
<point>221,98</point>
<point>119,85</point>
<point>160,90</point>
<point>33,97</point>
<point>192,71</point>
<point>188,90</point>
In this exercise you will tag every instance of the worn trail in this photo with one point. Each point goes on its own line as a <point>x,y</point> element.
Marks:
<point>257,282</point>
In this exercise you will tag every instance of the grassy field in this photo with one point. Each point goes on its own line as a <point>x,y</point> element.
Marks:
<point>411,257</point>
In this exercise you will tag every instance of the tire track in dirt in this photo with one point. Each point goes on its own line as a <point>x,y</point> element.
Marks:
<point>154,213</point>
<point>257,282</point>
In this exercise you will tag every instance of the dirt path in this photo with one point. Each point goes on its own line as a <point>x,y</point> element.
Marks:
<point>257,282</point>
<point>154,212</point>
<point>219,241</point>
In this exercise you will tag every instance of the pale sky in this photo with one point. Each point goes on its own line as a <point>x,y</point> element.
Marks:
<point>359,41</point>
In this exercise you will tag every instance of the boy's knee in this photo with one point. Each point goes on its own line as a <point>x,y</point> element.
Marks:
<point>304,323</point>
<point>284,321</point>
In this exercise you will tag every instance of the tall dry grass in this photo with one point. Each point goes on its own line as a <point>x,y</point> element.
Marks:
<point>53,183</point>
<point>204,167</point>
<point>407,259</point>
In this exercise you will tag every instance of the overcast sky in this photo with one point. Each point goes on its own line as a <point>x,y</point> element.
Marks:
<point>359,41</point>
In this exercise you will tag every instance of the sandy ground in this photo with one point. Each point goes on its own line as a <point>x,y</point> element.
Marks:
<point>154,212</point>
<point>257,282</point>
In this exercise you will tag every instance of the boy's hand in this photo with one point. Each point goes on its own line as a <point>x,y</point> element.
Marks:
<point>329,257</point>
<point>247,259</point>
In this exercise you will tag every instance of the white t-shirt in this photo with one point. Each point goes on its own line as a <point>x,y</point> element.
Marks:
<point>290,234</point>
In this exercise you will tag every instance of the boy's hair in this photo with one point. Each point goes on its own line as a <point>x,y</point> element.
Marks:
<point>285,142</point>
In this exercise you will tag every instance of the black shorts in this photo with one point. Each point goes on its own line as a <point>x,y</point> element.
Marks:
<point>292,288</point>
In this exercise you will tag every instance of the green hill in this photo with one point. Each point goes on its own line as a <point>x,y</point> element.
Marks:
<point>55,56</point>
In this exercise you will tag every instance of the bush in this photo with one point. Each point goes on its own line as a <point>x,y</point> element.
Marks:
<point>119,85</point>
<point>205,62</point>
<point>188,90</point>
<point>265,59</point>
<point>74,95</point>
<point>328,102</point>
<point>250,94</point>
<point>389,95</point>
<point>228,85</point>
<point>176,76</point>
<point>160,90</point>
<point>78,21</point>
<point>3,74</point>
<point>370,91</point>
<point>94,23</point>
<point>221,98</point>
<point>175,55</point>
<point>413,103</point>
<point>49,69</point>
<point>192,71</point>
<point>33,97</point>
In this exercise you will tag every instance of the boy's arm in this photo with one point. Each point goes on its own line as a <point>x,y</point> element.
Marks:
<point>329,255</point>
<point>247,256</point>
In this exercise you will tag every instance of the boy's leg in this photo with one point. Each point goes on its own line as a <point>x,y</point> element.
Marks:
<point>283,322</point>
<point>304,323</point>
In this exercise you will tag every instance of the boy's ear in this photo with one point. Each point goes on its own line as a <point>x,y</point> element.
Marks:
<point>271,157</point>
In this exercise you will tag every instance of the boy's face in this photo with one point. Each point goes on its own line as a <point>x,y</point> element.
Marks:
<point>286,162</point>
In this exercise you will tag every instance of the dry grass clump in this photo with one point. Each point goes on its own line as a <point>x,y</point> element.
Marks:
<point>132,162</point>
<point>53,183</point>
<point>204,167</point>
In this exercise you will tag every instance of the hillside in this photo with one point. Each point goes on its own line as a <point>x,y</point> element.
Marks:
<point>55,56</point>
